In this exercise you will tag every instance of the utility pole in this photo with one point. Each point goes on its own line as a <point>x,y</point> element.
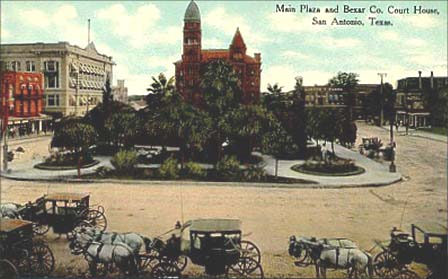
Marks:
<point>382,99</point>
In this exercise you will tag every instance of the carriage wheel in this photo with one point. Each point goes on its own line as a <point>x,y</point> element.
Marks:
<point>97,219</point>
<point>165,270</point>
<point>385,264</point>
<point>7,270</point>
<point>42,259</point>
<point>41,229</point>
<point>21,260</point>
<point>250,250</point>
<point>146,262</point>
<point>245,268</point>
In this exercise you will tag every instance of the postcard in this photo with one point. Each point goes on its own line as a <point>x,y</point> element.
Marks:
<point>224,139</point>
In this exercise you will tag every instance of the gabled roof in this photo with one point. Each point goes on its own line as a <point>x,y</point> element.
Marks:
<point>237,41</point>
<point>192,13</point>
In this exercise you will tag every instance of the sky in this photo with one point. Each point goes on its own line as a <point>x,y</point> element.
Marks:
<point>145,38</point>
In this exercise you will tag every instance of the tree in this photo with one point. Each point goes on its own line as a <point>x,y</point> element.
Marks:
<point>436,100</point>
<point>348,82</point>
<point>248,123</point>
<point>375,102</point>
<point>107,96</point>
<point>221,95</point>
<point>158,90</point>
<point>331,125</point>
<point>74,135</point>
<point>181,124</point>
<point>278,143</point>
<point>98,116</point>
<point>122,128</point>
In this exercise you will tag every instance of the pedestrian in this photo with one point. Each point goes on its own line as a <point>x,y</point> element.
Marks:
<point>396,126</point>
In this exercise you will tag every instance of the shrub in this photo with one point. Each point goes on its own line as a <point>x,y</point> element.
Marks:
<point>254,173</point>
<point>228,168</point>
<point>169,169</point>
<point>124,161</point>
<point>103,171</point>
<point>68,159</point>
<point>194,170</point>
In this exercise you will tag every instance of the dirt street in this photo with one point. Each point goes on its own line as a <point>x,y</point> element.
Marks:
<point>271,215</point>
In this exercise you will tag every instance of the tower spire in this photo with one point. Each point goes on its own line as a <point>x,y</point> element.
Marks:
<point>88,31</point>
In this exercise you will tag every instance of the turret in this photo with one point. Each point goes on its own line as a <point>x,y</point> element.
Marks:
<point>192,33</point>
<point>237,47</point>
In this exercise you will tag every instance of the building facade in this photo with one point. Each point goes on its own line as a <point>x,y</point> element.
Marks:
<point>73,76</point>
<point>21,95</point>
<point>327,96</point>
<point>120,92</point>
<point>194,57</point>
<point>411,110</point>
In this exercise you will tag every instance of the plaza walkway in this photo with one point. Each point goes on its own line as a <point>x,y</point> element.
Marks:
<point>376,174</point>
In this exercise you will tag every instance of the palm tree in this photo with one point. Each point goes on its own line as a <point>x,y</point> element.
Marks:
<point>160,89</point>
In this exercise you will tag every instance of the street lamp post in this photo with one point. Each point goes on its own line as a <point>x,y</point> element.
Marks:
<point>382,99</point>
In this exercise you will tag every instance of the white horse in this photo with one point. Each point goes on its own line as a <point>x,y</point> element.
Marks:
<point>10,210</point>
<point>95,253</point>
<point>356,261</point>
<point>133,240</point>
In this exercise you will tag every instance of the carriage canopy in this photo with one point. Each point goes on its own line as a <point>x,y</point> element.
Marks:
<point>215,225</point>
<point>9,225</point>
<point>75,197</point>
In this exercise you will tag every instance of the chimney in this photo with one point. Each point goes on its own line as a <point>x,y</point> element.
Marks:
<point>257,57</point>
<point>419,79</point>
<point>432,80</point>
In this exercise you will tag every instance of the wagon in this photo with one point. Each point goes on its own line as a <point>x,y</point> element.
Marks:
<point>20,253</point>
<point>370,145</point>
<point>405,248</point>
<point>215,244</point>
<point>63,212</point>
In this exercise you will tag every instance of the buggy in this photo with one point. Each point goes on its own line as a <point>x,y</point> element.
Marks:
<point>405,248</point>
<point>215,244</point>
<point>63,212</point>
<point>372,145</point>
<point>22,254</point>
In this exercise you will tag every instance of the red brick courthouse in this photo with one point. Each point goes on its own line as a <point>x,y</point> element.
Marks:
<point>193,57</point>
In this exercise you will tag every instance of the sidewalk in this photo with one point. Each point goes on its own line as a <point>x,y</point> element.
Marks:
<point>27,171</point>
<point>376,174</point>
<point>417,133</point>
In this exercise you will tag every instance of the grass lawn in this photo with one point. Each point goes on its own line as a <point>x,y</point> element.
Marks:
<point>436,130</point>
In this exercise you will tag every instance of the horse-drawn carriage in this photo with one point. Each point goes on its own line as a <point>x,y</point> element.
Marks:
<point>63,212</point>
<point>20,253</point>
<point>405,248</point>
<point>330,253</point>
<point>370,145</point>
<point>215,244</point>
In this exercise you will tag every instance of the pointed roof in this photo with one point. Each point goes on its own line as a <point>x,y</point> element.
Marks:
<point>192,13</point>
<point>91,47</point>
<point>238,41</point>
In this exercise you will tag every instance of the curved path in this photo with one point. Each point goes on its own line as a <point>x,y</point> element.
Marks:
<point>376,173</point>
